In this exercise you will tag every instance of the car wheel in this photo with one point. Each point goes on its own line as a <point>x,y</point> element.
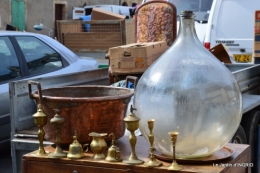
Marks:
<point>250,121</point>
<point>240,136</point>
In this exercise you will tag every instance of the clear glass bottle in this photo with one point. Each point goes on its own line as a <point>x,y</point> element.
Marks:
<point>190,91</point>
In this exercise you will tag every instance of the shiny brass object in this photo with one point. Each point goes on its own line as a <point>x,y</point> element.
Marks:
<point>113,154</point>
<point>153,162</point>
<point>98,145</point>
<point>132,124</point>
<point>57,121</point>
<point>40,119</point>
<point>174,166</point>
<point>76,149</point>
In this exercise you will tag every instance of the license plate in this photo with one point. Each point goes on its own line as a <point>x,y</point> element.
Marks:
<point>242,57</point>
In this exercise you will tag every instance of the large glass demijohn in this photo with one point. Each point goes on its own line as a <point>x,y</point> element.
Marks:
<point>190,91</point>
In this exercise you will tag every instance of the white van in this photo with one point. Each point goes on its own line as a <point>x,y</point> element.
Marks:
<point>78,12</point>
<point>231,22</point>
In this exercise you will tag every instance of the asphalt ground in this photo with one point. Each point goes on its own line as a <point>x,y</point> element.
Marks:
<point>6,160</point>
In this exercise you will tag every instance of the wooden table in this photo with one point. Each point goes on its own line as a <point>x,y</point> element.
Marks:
<point>36,164</point>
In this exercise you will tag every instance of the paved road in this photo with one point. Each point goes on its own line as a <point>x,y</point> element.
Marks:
<point>6,161</point>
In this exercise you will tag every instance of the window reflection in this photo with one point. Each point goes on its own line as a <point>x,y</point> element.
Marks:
<point>40,57</point>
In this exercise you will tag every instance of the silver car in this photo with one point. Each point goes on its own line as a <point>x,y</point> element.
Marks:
<point>26,55</point>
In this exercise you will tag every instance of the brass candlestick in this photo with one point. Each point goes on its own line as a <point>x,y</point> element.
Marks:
<point>174,166</point>
<point>153,161</point>
<point>132,124</point>
<point>40,119</point>
<point>57,121</point>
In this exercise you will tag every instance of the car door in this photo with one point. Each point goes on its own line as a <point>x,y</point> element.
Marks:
<point>22,57</point>
<point>9,70</point>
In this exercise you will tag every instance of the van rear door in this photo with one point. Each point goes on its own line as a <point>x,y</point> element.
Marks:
<point>77,12</point>
<point>232,24</point>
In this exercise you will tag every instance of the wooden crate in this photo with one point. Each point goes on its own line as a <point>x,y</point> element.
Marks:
<point>102,34</point>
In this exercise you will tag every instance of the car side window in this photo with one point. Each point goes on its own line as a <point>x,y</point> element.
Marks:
<point>9,66</point>
<point>40,58</point>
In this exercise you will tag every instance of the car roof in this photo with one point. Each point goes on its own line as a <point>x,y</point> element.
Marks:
<point>4,33</point>
<point>63,50</point>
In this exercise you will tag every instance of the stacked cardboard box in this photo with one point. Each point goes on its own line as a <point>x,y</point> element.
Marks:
<point>135,58</point>
<point>257,35</point>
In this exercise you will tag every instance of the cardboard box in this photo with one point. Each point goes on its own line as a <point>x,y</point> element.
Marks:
<point>135,58</point>
<point>99,14</point>
<point>221,53</point>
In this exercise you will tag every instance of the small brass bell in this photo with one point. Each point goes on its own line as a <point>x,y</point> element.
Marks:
<point>76,150</point>
<point>113,153</point>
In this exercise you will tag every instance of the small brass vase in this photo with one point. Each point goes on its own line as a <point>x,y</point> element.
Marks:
<point>174,166</point>
<point>76,149</point>
<point>113,153</point>
<point>132,124</point>
<point>40,119</point>
<point>153,161</point>
<point>98,145</point>
<point>57,121</point>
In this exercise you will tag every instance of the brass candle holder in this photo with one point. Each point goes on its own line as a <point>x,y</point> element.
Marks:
<point>132,124</point>
<point>174,166</point>
<point>40,119</point>
<point>57,121</point>
<point>153,161</point>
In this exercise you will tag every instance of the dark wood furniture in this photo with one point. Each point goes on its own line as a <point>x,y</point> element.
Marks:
<point>34,164</point>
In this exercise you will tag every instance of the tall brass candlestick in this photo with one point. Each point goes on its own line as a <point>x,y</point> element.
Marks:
<point>174,166</point>
<point>57,122</point>
<point>40,119</point>
<point>152,162</point>
<point>132,124</point>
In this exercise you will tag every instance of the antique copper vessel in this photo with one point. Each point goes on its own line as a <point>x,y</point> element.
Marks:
<point>85,109</point>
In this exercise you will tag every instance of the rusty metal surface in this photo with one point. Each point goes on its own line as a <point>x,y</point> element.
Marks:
<point>86,109</point>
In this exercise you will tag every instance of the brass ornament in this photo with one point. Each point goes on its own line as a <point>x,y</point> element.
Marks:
<point>132,124</point>
<point>174,166</point>
<point>40,119</point>
<point>153,162</point>
<point>76,149</point>
<point>98,145</point>
<point>113,154</point>
<point>57,121</point>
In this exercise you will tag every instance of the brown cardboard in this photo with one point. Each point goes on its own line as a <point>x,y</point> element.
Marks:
<point>135,58</point>
<point>221,53</point>
<point>99,14</point>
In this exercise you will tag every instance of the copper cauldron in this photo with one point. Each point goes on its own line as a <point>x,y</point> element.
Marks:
<point>86,108</point>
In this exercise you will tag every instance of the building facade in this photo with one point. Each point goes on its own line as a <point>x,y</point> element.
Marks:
<point>24,14</point>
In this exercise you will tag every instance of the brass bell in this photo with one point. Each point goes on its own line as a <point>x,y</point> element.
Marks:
<point>113,153</point>
<point>76,149</point>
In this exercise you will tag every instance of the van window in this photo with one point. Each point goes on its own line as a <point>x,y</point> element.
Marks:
<point>224,27</point>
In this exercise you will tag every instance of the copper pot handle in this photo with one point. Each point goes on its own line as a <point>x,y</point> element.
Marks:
<point>131,78</point>
<point>30,83</point>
